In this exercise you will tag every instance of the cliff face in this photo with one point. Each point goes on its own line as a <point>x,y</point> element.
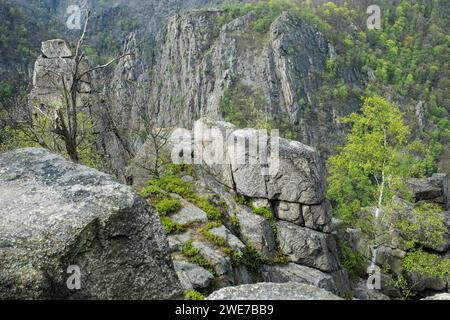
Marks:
<point>204,66</point>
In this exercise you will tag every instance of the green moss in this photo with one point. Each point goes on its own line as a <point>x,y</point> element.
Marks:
<point>235,222</point>
<point>151,191</point>
<point>267,213</point>
<point>181,169</point>
<point>280,257</point>
<point>212,212</point>
<point>195,256</point>
<point>219,241</point>
<point>237,258</point>
<point>168,206</point>
<point>253,260</point>
<point>193,295</point>
<point>241,199</point>
<point>171,226</point>
<point>174,184</point>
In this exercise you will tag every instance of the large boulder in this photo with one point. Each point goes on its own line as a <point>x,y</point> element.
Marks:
<point>276,169</point>
<point>273,291</point>
<point>433,189</point>
<point>58,217</point>
<point>308,247</point>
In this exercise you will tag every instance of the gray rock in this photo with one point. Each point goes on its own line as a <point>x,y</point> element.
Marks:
<point>242,276</point>
<point>256,230</point>
<point>293,174</point>
<point>230,239</point>
<point>361,292</point>
<point>273,291</point>
<point>391,256</point>
<point>433,189</point>
<point>56,48</point>
<point>308,247</point>
<point>423,283</point>
<point>318,217</point>
<point>290,212</point>
<point>440,296</point>
<point>248,168</point>
<point>176,241</point>
<point>388,286</point>
<point>192,276</point>
<point>300,177</point>
<point>189,214</point>
<point>55,214</point>
<point>260,203</point>
<point>341,281</point>
<point>296,273</point>
<point>218,260</point>
<point>209,135</point>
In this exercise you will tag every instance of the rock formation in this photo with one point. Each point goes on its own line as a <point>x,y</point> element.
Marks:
<point>296,219</point>
<point>55,214</point>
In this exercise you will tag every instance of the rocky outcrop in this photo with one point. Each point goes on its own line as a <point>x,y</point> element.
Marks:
<point>273,291</point>
<point>434,189</point>
<point>274,202</point>
<point>308,247</point>
<point>337,283</point>
<point>193,276</point>
<point>52,76</point>
<point>57,216</point>
<point>56,48</point>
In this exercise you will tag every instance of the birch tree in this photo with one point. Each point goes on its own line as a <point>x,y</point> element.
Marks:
<point>369,168</point>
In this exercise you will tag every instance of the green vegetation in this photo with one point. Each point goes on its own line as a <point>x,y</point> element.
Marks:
<point>244,107</point>
<point>195,256</point>
<point>40,134</point>
<point>253,260</point>
<point>171,226</point>
<point>373,164</point>
<point>168,206</point>
<point>173,184</point>
<point>353,262</point>
<point>205,230</point>
<point>235,222</point>
<point>369,171</point>
<point>267,213</point>
<point>193,295</point>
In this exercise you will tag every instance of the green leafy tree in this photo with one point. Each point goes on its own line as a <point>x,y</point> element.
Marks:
<point>368,169</point>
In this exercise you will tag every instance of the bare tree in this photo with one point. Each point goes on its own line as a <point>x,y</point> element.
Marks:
<point>64,120</point>
<point>151,130</point>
